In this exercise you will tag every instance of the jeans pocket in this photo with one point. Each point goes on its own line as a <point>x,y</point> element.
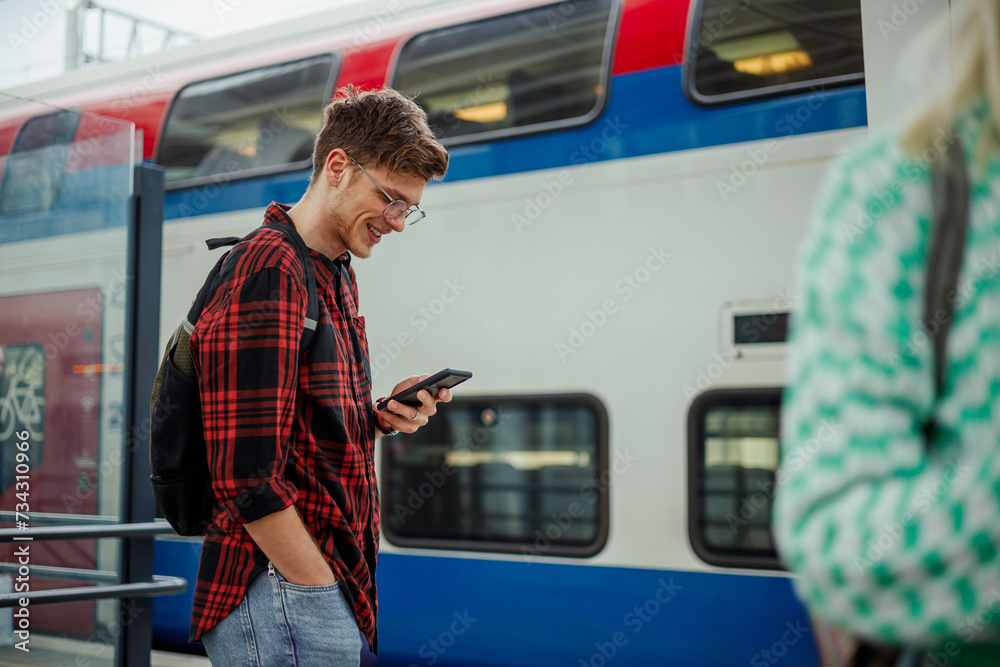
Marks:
<point>320,623</point>
<point>287,585</point>
<point>299,588</point>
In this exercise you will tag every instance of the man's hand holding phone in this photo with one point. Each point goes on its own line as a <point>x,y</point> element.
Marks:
<point>407,411</point>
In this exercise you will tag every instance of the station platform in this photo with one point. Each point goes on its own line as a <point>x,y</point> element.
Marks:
<point>55,652</point>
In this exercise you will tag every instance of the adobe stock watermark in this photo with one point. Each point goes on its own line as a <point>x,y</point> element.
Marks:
<point>485,92</point>
<point>560,13</point>
<point>972,628</point>
<point>374,27</point>
<point>223,7</point>
<point>712,28</point>
<point>589,493</point>
<point>634,620</point>
<point>434,480</point>
<point>553,188</point>
<point>880,202</point>
<point>761,499</point>
<point>792,635</point>
<point>32,24</point>
<point>134,440</point>
<point>898,17</point>
<point>279,120</point>
<point>625,289</point>
<point>432,650</point>
<point>783,302</point>
<point>759,155</point>
<point>984,270</point>
<point>87,311</point>
<point>892,532</point>
<point>420,321</point>
<point>106,637</point>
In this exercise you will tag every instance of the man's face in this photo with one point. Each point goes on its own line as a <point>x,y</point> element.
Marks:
<point>357,213</point>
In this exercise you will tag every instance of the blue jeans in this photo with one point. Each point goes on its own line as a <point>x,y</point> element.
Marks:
<point>280,624</point>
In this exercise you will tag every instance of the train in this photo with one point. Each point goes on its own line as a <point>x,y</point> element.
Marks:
<point>610,253</point>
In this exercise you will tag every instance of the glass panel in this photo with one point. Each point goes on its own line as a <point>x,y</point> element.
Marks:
<point>263,118</point>
<point>536,66</point>
<point>64,207</point>
<point>501,471</point>
<point>740,460</point>
<point>769,46</point>
<point>32,182</point>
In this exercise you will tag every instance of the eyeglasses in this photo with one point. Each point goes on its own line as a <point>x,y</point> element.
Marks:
<point>397,208</point>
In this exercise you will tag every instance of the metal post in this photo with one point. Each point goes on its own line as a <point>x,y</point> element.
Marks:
<point>887,32</point>
<point>142,355</point>
<point>74,35</point>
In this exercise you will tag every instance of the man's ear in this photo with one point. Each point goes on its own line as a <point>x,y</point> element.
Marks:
<point>337,164</point>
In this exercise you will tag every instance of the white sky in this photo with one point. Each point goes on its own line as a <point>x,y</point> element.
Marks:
<point>33,34</point>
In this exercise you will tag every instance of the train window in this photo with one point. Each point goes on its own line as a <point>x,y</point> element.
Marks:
<point>525,474</point>
<point>539,68</point>
<point>248,123</point>
<point>37,161</point>
<point>733,455</point>
<point>739,49</point>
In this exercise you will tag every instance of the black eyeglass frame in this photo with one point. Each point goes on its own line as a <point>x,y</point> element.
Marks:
<point>415,212</point>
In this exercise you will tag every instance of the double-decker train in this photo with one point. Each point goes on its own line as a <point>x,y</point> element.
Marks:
<point>610,253</point>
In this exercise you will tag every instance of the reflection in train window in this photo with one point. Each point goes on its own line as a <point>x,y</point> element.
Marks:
<point>734,452</point>
<point>249,122</point>
<point>512,474</point>
<point>33,172</point>
<point>22,408</point>
<point>543,67</point>
<point>738,49</point>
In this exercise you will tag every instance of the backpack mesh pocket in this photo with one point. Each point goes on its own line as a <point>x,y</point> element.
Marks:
<point>177,453</point>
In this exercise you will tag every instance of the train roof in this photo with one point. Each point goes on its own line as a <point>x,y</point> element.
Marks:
<point>366,37</point>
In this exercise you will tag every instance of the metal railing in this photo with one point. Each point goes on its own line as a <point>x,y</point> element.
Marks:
<point>159,585</point>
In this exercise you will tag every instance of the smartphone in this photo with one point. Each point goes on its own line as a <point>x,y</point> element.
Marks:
<point>445,379</point>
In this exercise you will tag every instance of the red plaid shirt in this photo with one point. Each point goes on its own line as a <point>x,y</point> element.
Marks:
<point>284,429</point>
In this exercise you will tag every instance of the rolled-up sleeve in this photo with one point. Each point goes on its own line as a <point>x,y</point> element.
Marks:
<point>890,538</point>
<point>247,344</point>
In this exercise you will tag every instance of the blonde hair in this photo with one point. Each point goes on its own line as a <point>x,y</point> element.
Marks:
<point>976,66</point>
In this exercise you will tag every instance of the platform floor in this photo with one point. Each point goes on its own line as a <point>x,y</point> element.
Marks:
<point>54,652</point>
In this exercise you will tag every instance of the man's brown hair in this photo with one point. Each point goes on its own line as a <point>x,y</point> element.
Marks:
<point>382,128</point>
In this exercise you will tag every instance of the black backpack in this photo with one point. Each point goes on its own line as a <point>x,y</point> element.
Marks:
<point>178,456</point>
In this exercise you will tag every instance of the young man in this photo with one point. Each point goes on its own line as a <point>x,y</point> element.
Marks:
<point>287,572</point>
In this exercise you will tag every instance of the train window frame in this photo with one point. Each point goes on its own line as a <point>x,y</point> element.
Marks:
<point>610,39</point>
<point>692,48</point>
<point>525,549</point>
<point>700,406</point>
<point>336,61</point>
<point>63,135</point>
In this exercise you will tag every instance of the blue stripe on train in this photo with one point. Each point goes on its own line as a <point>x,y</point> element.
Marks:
<point>457,611</point>
<point>466,611</point>
<point>647,113</point>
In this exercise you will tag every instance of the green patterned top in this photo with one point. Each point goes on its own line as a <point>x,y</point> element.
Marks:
<point>888,539</point>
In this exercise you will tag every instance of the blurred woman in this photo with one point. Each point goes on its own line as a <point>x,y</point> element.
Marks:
<point>892,527</point>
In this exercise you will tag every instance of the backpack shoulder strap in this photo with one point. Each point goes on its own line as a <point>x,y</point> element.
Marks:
<point>308,278</point>
<point>950,191</point>
<point>208,287</point>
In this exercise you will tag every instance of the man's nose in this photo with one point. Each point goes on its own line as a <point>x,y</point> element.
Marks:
<point>397,223</point>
